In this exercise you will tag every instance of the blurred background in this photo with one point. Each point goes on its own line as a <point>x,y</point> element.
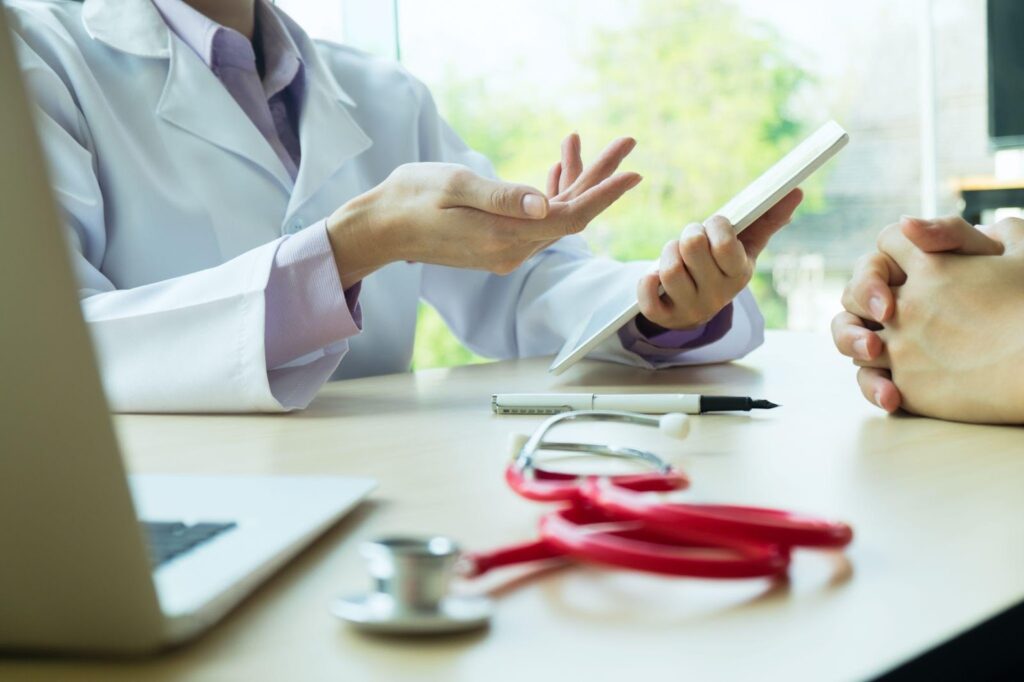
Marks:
<point>714,91</point>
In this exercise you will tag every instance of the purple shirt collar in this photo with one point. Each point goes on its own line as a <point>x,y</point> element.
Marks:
<point>221,47</point>
<point>271,102</point>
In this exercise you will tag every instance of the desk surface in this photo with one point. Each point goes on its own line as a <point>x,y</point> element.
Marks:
<point>937,510</point>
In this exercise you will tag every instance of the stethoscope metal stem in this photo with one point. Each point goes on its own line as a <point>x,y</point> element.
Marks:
<point>525,457</point>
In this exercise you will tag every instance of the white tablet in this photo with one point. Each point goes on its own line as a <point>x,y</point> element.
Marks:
<point>742,210</point>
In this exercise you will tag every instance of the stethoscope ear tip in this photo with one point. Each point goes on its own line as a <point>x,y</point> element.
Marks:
<point>675,424</point>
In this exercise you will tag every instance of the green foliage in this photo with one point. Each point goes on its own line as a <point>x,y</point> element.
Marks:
<point>706,92</point>
<point>436,346</point>
<point>771,303</point>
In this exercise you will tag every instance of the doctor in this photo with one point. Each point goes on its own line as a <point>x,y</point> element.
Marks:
<point>252,214</point>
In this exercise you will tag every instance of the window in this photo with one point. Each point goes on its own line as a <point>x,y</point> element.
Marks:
<point>714,91</point>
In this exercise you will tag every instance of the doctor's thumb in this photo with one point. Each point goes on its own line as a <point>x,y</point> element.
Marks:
<point>505,198</point>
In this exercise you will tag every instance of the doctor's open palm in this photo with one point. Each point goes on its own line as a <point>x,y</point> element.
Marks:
<point>446,214</point>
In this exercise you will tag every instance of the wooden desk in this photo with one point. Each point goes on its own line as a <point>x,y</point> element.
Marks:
<point>938,510</point>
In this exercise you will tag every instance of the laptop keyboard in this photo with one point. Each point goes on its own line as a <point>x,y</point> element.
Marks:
<point>169,539</point>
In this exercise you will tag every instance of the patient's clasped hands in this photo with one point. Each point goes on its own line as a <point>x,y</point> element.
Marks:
<point>933,320</point>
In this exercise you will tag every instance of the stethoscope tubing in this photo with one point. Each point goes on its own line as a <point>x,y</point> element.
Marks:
<point>643,548</point>
<point>610,520</point>
<point>753,524</point>
<point>668,549</point>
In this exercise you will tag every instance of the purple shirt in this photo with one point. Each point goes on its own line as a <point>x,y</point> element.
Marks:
<point>306,309</point>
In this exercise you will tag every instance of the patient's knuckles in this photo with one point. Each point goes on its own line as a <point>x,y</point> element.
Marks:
<point>866,266</point>
<point>849,298</point>
<point>934,268</point>
<point>896,347</point>
<point>838,327</point>
<point>888,235</point>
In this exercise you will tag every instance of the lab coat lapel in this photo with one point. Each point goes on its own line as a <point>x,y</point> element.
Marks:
<point>328,134</point>
<point>132,26</point>
<point>195,101</point>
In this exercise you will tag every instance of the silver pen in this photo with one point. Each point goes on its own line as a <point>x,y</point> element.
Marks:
<point>647,403</point>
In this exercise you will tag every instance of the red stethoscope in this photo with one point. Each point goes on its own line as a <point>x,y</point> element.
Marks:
<point>615,520</point>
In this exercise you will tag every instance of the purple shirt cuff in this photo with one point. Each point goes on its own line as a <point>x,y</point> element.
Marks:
<point>306,309</point>
<point>671,342</point>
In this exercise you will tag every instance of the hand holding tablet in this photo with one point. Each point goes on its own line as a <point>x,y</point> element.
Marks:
<point>741,212</point>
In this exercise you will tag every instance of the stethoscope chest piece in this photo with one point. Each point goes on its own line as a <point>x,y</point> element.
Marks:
<point>411,577</point>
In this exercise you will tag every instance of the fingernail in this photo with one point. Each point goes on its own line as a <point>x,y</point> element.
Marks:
<point>636,181</point>
<point>878,399</point>
<point>877,307</point>
<point>860,348</point>
<point>534,206</point>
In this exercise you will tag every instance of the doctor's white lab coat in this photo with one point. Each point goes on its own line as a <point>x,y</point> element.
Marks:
<point>176,205</point>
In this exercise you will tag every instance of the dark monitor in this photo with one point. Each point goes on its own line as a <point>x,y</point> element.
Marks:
<point>1006,73</point>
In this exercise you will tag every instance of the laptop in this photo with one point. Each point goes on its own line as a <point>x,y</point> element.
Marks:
<point>93,560</point>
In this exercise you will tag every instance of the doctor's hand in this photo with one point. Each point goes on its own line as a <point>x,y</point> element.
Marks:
<point>706,268</point>
<point>935,320</point>
<point>446,214</point>
<point>568,178</point>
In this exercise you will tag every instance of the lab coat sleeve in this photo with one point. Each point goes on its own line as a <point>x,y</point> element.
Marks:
<point>534,309</point>
<point>194,343</point>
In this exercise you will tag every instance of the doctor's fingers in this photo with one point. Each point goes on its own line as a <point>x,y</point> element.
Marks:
<point>655,307</point>
<point>949,235</point>
<point>854,340</point>
<point>756,237</point>
<point>554,175</point>
<point>465,189</point>
<point>674,276</point>
<point>572,161</point>
<point>695,251</point>
<point>726,249</point>
<point>878,387</point>
<point>604,165</point>
<point>569,217</point>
